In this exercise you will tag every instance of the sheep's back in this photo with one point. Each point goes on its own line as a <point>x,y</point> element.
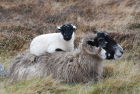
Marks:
<point>26,66</point>
<point>65,66</point>
<point>71,67</point>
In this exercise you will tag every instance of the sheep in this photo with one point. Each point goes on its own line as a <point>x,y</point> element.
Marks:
<point>52,42</point>
<point>82,65</point>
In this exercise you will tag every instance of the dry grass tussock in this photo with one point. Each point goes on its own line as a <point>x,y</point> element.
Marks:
<point>21,20</point>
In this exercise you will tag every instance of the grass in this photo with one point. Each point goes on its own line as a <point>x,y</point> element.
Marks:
<point>119,83</point>
<point>5,59</point>
<point>121,77</point>
<point>23,20</point>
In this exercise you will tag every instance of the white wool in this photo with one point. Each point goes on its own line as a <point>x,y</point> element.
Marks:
<point>103,54</point>
<point>49,42</point>
<point>118,52</point>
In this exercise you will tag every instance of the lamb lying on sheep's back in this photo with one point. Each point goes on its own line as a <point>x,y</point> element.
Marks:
<point>53,42</point>
<point>82,65</point>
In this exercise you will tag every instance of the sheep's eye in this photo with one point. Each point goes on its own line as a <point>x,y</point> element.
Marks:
<point>106,42</point>
<point>100,40</point>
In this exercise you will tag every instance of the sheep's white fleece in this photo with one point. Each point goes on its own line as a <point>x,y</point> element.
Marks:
<point>49,42</point>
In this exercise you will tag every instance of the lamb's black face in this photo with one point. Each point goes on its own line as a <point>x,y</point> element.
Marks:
<point>112,48</point>
<point>67,31</point>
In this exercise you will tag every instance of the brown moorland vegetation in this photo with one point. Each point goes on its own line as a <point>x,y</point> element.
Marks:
<point>22,20</point>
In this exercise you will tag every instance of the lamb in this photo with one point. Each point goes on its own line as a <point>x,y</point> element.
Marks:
<point>82,65</point>
<point>52,42</point>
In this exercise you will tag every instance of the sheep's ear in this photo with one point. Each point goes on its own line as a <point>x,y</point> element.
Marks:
<point>58,27</point>
<point>94,31</point>
<point>74,26</point>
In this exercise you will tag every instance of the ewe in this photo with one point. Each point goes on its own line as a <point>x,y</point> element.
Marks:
<point>52,42</point>
<point>82,65</point>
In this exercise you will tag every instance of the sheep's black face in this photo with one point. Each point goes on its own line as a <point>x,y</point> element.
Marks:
<point>112,48</point>
<point>67,31</point>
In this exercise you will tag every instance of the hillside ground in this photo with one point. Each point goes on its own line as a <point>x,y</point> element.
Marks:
<point>22,20</point>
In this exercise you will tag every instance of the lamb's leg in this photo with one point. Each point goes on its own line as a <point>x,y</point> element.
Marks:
<point>58,49</point>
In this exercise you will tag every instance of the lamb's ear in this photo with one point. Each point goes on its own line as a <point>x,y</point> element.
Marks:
<point>74,27</point>
<point>59,28</point>
<point>90,42</point>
